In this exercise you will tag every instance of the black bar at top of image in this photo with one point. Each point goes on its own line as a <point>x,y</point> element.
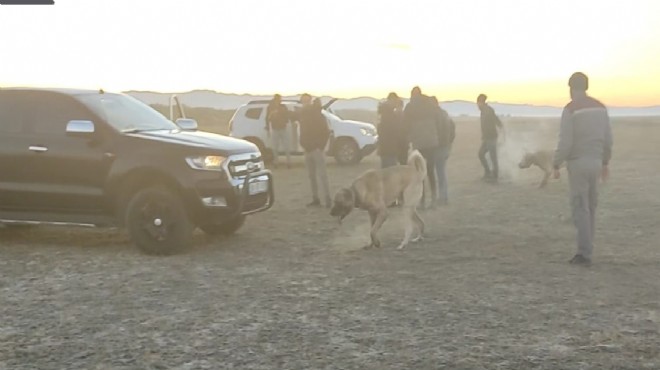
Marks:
<point>27,2</point>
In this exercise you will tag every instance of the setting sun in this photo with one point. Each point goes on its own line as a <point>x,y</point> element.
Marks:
<point>516,51</point>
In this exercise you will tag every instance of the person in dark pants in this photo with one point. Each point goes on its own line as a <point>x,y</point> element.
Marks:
<point>404,144</point>
<point>277,127</point>
<point>585,144</point>
<point>392,137</point>
<point>490,124</point>
<point>422,121</point>
<point>446,136</point>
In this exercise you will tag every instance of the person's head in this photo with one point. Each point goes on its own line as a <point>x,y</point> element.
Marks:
<point>416,92</point>
<point>434,100</point>
<point>393,100</point>
<point>481,100</point>
<point>305,99</point>
<point>579,84</point>
<point>317,103</point>
<point>277,98</point>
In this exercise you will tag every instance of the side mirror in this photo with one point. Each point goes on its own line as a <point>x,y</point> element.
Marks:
<point>187,124</point>
<point>80,128</point>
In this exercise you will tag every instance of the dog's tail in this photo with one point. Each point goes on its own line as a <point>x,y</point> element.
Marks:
<point>416,160</point>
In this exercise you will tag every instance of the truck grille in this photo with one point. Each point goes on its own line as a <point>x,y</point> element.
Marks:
<point>242,164</point>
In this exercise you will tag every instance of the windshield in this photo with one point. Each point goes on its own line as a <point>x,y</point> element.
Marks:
<point>125,113</point>
<point>332,115</point>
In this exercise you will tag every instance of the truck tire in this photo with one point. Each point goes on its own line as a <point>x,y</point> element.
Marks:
<point>225,228</point>
<point>346,151</point>
<point>157,221</point>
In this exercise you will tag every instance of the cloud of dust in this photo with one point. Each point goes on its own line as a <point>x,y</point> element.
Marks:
<point>519,138</point>
<point>352,234</point>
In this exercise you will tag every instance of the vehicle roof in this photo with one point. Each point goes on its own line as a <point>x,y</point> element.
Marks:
<point>66,91</point>
<point>263,101</point>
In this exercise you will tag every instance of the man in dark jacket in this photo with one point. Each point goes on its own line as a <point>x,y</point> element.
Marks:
<point>277,126</point>
<point>392,136</point>
<point>422,121</point>
<point>314,135</point>
<point>490,123</point>
<point>585,144</point>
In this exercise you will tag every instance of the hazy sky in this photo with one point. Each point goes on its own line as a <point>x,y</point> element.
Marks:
<point>520,51</point>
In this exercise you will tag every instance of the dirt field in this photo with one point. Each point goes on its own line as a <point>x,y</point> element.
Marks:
<point>489,288</point>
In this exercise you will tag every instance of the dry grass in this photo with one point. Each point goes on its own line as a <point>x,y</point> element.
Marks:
<point>490,287</point>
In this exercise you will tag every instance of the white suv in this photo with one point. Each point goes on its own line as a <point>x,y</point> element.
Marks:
<point>351,140</point>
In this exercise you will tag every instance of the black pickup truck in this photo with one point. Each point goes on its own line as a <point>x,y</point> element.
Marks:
<point>93,158</point>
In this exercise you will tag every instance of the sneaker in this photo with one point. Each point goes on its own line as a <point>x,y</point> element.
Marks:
<point>579,259</point>
<point>314,203</point>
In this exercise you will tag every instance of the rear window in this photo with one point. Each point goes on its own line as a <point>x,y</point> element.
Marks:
<point>253,113</point>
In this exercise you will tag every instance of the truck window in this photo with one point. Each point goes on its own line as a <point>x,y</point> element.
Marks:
<point>51,113</point>
<point>253,113</point>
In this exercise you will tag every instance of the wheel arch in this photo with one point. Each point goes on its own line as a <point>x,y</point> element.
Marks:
<point>137,179</point>
<point>266,153</point>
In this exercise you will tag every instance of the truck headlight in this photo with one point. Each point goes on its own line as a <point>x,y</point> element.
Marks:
<point>208,162</point>
<point>368,131</point>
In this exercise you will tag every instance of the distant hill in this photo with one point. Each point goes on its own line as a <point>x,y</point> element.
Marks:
<point>221,101</point>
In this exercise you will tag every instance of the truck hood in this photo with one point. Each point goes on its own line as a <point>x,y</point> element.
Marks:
<point>198,139</point>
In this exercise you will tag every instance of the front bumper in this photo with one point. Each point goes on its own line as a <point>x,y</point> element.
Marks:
<point>231,197</point>
<point>246,203</point>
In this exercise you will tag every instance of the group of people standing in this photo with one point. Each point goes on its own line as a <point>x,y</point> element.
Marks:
<point>585,145</point>
<point>314,136</point>
<point>423,125</point>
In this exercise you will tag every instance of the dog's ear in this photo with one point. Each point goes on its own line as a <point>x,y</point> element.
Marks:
<point>347,197</point>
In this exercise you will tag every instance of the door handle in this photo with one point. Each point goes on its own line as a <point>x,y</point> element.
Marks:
<point>38,148</point>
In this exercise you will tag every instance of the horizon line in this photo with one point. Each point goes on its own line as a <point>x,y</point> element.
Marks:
<point>377,99</point>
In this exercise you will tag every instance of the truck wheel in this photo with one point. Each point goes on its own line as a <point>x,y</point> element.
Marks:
<point>225,228</point>
<point>157,221</point>
<point>346,151</point>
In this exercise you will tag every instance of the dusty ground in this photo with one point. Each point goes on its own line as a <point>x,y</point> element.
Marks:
<point>490,287</point>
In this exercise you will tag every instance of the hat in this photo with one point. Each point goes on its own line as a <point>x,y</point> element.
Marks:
<point>579,81</point>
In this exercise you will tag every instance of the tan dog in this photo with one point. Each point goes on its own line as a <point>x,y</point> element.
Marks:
<point>375,190</point>
<point>543,160</point>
